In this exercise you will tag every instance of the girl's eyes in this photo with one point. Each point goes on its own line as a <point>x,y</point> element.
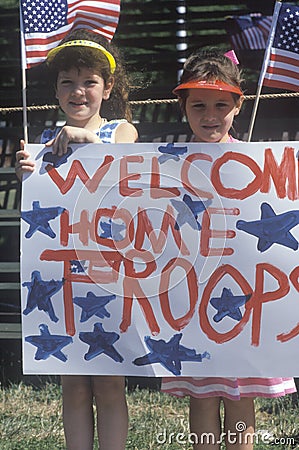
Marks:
<point>221,105</point>
<point>89,82</point>
<point>198,105</point>
<point>202,105</point>
<point>68,82</point>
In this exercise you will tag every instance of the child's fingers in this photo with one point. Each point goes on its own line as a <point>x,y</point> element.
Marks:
<point>23,162</point>
<point>60,144</point>
<point>24,166</point>
<point>49,143</point>
<point>21,155</point>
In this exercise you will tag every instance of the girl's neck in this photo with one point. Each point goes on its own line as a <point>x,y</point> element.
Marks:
<point>91,124</point>
<point>225,138</point>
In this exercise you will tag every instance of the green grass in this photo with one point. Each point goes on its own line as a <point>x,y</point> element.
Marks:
<point>30,419</point>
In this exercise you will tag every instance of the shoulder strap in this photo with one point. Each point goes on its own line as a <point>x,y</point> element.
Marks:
<point>107,131</point>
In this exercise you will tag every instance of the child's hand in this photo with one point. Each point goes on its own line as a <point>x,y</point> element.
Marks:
<point>23,162</point>
<point>71,134</point>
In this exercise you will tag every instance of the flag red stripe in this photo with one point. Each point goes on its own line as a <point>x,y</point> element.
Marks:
<point>109,2</point>
<point>39,52</point>
<point>94,18</point>
<point>80,23</point>
<point>281,84</point>
<point>57,37</point>
<point>96,10</point>
<point>84,2</point>
<point>276,57</point>
<point>44,40</point>
<point>283,72</point>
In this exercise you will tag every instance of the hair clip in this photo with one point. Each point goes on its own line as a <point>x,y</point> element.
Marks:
<point>232,56</point>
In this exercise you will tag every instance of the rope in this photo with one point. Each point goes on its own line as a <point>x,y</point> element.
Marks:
<point>246,97</point>
<point>145,102</point>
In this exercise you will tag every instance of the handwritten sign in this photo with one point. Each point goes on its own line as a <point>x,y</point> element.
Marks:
<point>162,259</point>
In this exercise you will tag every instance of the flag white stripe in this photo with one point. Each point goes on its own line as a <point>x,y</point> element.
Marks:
<point>265,25</point>
<point>95,5</point>
<point>46,36</point>
<point>282,78</point>
<point>282,65</point>
<point>285,53</point>
<point>257,41</point>
<point>89,18</point>
<point>33,48</point>
<point>237,41</point>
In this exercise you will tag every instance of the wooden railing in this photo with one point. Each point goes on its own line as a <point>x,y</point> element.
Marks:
<point>9,254</point>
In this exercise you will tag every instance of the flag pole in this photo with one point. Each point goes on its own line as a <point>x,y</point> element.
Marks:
<point>24,104</point>
<point>24,82</point>
<point>264,67</point>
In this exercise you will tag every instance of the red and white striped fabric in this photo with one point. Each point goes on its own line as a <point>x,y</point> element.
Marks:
<point>282,69</point>
<point>231,388</point>
<point>45,23</point>
<point>249,32</point>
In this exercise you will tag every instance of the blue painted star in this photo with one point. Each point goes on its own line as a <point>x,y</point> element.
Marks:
<point>169,151</point>
<point>100,341</point>
<point>93,305</point>
<point>228,305</point>
<point>170,354</point>
<point>77,266</point>
<point>112,230</point>
<point>40,293</point>
<point>188,211</point>
<point>49,344</point>
<point>56,160</point>
<point>38,218</point>
<point>271,228</point>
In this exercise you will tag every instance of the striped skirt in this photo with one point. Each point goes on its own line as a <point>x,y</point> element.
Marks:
<point>231,388</point>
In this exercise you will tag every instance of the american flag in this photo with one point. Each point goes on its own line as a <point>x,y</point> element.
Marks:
<point>248,32</point>
<point>282,70</point>
<point>45,22</point>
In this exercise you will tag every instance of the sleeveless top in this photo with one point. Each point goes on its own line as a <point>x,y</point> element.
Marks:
<point>106,132</point>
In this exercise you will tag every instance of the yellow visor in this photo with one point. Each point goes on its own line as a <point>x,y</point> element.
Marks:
<point>83,43</point>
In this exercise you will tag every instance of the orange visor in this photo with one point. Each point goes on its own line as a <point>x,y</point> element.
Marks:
<point>215,85</point>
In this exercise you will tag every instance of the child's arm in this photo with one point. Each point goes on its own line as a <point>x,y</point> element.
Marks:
<point>69,134</point>
<point>23,162</point>
<point>126,132</point>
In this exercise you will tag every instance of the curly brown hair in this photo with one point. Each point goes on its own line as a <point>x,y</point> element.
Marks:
<point>117,106</point>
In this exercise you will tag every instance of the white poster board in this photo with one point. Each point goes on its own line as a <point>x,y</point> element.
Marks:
<point>161,260</point>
